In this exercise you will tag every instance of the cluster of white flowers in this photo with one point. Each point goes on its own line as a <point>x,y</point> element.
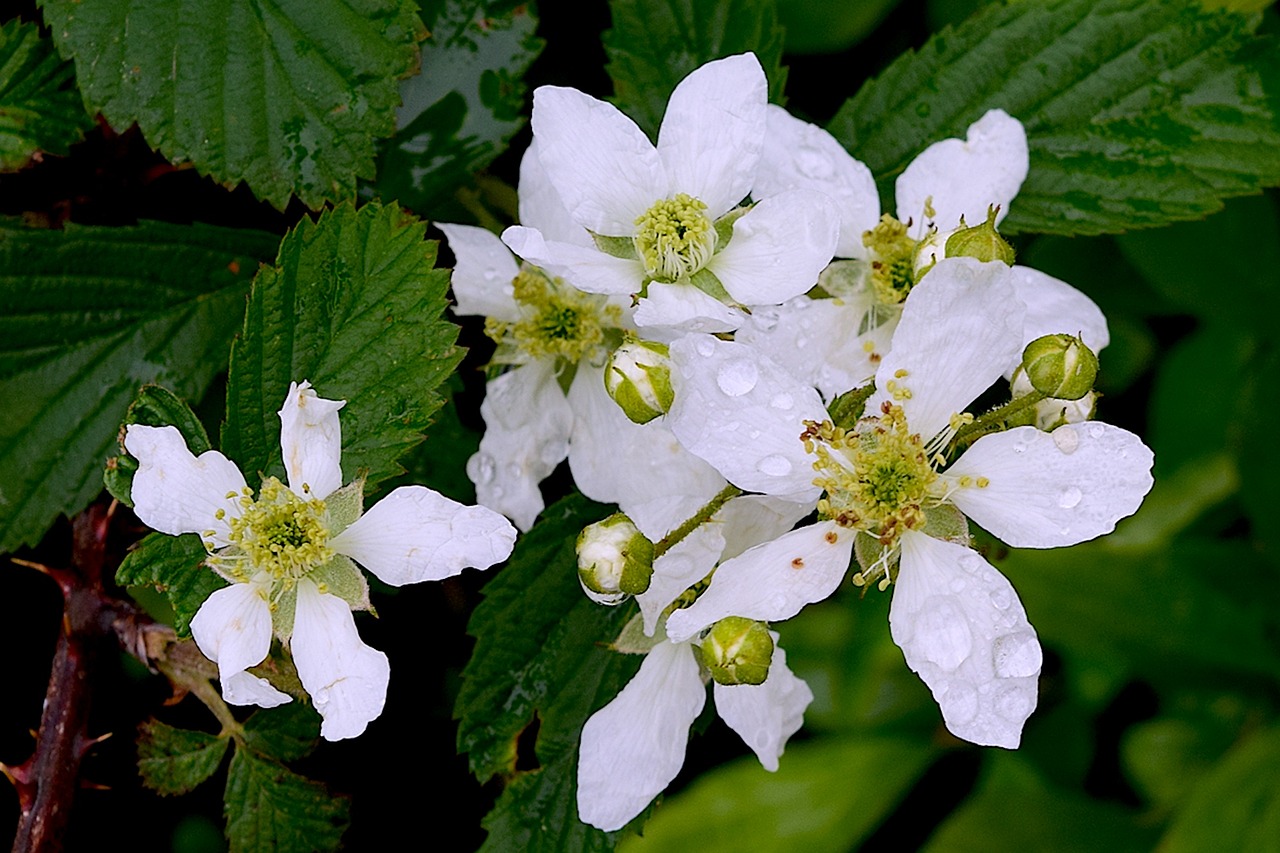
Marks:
<point>784,339</point>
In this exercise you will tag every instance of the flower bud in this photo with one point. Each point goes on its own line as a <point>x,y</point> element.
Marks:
<point>638,378</point>
<point>615,560</point>
<point>981,241</point>
<point>1051,412</point>
<point>738,650</point>
<point>1060,366</point>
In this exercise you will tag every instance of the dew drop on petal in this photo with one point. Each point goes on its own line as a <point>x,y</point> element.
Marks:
<point>766,320</point>
<point>1066,439</point>
<point>774,466</point>
<point>1014,703</point>
<point>1096,430</point>
<point>812,163</point>
<point>958,585</point>
<point>960,702</point>
<point>1017,655</point>
<point>1069,497</point>
<point>942,634</point>
<point>782,401</point>
<point>737,376</point>
<point>705,347</point>
<point>801,342</point>
<point>481,468</point>
<point>1001,599</point>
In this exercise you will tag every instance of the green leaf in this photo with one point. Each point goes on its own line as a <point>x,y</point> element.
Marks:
<point>173,761</point>
<point>460,113</point>
<point>287,97</point>
<point>286,733</point>
<point>440,462</point>
<point>154,406</point>
<point>271,808</point>
<point>1137,113</point>
<point>653,46</point>
<point>87,317</point>
<point>173,565</point>
<point>40,109</point>
<point>829,26</point>
<point>540,654</point>
<point>1237,806</point>
<point>1014,808</point>
<point>354,305</point>
<point>828,794</point>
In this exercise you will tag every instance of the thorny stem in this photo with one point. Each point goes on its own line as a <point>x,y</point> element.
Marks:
<point>697,520</point>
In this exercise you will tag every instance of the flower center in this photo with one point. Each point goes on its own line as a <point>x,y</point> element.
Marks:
<point>877,479</point>
<point>557,320</point>
<point>279,533</point>
<point>675,238</point>
<point>893,253</point>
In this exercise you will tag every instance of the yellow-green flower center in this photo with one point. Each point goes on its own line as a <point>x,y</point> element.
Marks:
<point>675,238</point>
<point>556,321</point>
<point>893,253</point>
<point>279,533</point>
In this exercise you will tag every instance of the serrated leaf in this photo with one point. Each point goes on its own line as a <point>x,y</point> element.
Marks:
<point>40,109</point>
<point>540,652</point>
<point>462,110</point>
<point>653,46</point>
<point>87,317</point>
<point>287,97</point>
<point>173,761</point>
<point>172,564</point>
<point>354,305</point>
<point>828,794</point>
<point>271,808</point>
<point>286,733</point>
<point>1137,113</point>
<point>154,406</point>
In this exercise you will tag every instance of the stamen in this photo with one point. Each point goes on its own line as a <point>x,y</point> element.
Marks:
<point>675,238</point>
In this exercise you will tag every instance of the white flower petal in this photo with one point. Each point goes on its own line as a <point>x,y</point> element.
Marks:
<point>527,427</point>
<point>773,581</point>
<point>176,492</point>
<point>311,441</point>
<point>740,411</point>
<point>713,131</point>
<point>346,679</point>
<point>963,178</point>
<point>767,714</point>
<point>961,626</point>
<point>633,747</point>
<point>1055,307</point>
<point>482,272</point>
<point>778,248</point>
<point>603,167</point>
<point>687,562</point>
<point>233,629</point>
<point>640,467</point>
<point>961,328</point>
<point>799,155</point>
<point>750,520</point>
<point>540,204</point>
<point>585,267</point>
<point>415,534</point>
<point>683,308</point>
<point>1049,490</point>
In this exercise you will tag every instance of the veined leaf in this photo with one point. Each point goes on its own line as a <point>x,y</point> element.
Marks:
<point>354,305</point>
<point>286,96</point>
<point>40,109</point>
<point>173,761</point>
<point>87,317</point>
<point>172,564</point>
<point>1137,113</point>
<point>271,808</point>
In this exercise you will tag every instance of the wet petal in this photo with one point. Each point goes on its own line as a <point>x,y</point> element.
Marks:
<point>1048,490</point>
<point>687,562</point>
<point>713,131</point>
<point>767,714</point>
<point>311,441</point>
<point>415,534</point>
<point>633,747</point>
<point>585,267</point>
<point>962,628</point>
<point>176,492</point>
<point>683,308</point>
<point>346,680</point>
<point>482,273</point>
<point>233,629</point>
<point>540,204</point>
<point>778,248</point>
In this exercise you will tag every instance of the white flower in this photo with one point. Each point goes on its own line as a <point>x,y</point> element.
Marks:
<point>658,214</point>
<point>958,621</point>
<point>288,555</point>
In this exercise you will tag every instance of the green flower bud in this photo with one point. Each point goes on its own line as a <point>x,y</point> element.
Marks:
<point>738,650</point>
<point>980,241</point>
<point>615,560</point>
<point>1051,412</point>
<point>638,378</point>
<point>1060,366</point>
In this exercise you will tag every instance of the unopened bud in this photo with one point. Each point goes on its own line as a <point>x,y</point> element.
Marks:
<point>1060,366</point>
<point>638,378</point>
<point>738,650</point>
<point>1051,412</point>
<point>981,241</point>
<point>615,560</point>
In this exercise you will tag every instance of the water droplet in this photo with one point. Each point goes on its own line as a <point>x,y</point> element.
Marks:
<point>801,342</point>
<point>942,634</point>
<point>778,603</point>
<point>514,471</point>
<point>737,376</point>
<point>705,347</point>
<point>753,434</point>
<point>958,585</point>
<point>1015,703</point>
<point>812,163</point>
<point>1001,598</point>
<point>766,320</point>
<point>481,468</point>
<point>1066,439</point>
<point>959,703</point>
<point>774,466</point>
<point>1017,655</point>
<point>1096,430</point>
<point>782,401</point>
<point>1069,497</point>
<point>1020,447</point>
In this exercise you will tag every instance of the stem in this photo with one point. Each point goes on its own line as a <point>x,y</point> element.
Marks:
<point>700,518</point>
<point>984,424</point>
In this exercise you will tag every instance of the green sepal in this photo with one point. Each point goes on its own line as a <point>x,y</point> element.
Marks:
<point>847,408</point>
<point>341,577</point>
<point>706,281</point>
<point>617,247</point>
<point>154,406</point>
<point>724,225</point>
<point>282,612</point>
<point>632,640</point>
<point>868,552</point>
<point>947,523</point>
<point>845,278</point>
<point>345,505</point>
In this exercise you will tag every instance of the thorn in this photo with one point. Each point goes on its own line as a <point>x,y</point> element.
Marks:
<point>84,744</point>
<point>179,693</point>
<point>85,784</point>
<point>39,567</point>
